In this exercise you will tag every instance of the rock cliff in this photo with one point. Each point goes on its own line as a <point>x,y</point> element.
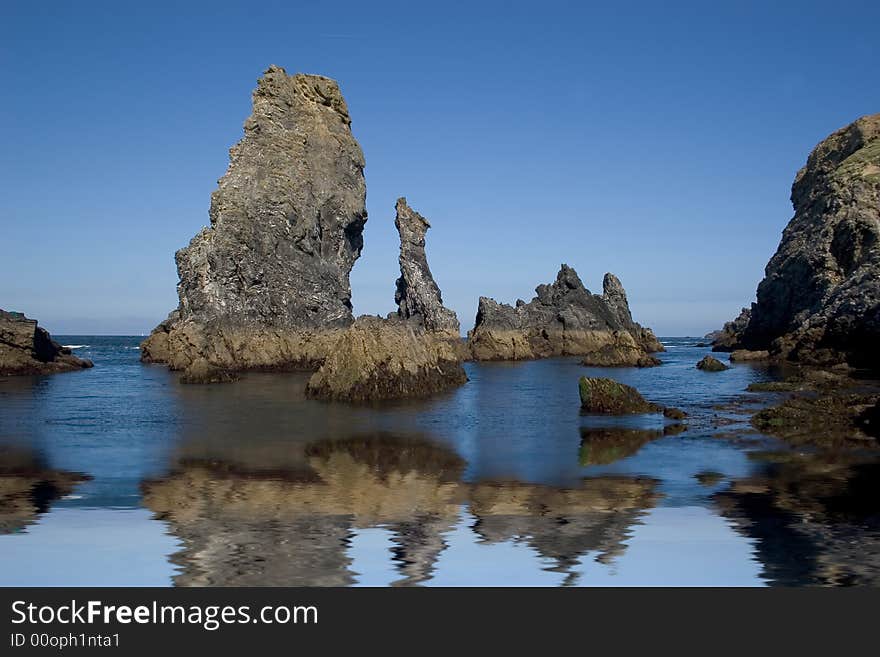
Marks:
<point>819,302</point>
<point>564,319</point>
<point>25,348</point>
<point>266,285</point>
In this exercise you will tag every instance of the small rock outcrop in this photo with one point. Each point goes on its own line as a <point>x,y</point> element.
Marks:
<point>564,319</point>
<point>25,348</point>
<point>608,397</point>
<point>266,285</point>
<point>819,302</point>
<point>710,364</point>
<point>379,359</point>
<point>413,353</point>
<point>728,337</point>
<point>623,351</point>
<point>418,296</point>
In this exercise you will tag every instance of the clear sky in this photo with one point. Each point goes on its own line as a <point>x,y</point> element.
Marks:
<point>655,140</point>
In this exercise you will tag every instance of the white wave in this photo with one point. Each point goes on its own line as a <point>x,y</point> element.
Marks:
<point>76,346</point>
<point>72,497</point>
<point>134,347</point>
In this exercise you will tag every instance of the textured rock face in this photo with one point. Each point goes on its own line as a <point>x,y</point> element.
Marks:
<point>25,348</point>
<point>417,294</point>
<point>563,319</point>
<point>377,359</point>
<point>728,337</point>
<point>710,364</point>
<point>272,271</point>
<point>607,396</point>
<point>819,302</point>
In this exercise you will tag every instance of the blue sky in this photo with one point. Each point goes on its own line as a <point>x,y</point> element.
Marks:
<point>654,140</point>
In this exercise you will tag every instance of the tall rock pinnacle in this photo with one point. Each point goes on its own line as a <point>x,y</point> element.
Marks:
<point>418,295</point>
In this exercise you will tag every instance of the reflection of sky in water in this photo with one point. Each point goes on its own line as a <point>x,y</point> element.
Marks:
<point>125,424</point>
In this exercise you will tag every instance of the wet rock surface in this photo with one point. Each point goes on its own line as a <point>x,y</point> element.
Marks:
<point>563,319</point>
<point>609,397</point>
<point>710,364</point>
<point>26,348</point>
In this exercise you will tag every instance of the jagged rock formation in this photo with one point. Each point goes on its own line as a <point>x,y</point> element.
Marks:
<point>377,359</point>
<point>819,302</point>
<point>267,284</point>
<point>417,294</point>
<point>564,319</point>
<point>728,337</point>
<point>25,348</point>
<point>414,353</point>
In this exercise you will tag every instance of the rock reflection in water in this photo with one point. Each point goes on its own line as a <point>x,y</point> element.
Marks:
<point>28,488</point>
<point>815,518</point>
<point>261,526</point>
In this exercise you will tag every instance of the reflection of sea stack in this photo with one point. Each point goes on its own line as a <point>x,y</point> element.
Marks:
<point>28,488</point>
<point>819,302</point>
<point>564,319</point>
<point>267,284</point>
<point>241,527</point>
<point>815,520</point>
<point>25,348</point>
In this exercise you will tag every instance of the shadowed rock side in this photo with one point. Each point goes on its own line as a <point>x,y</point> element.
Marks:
<point>415,353</point>
<point>819,302</point>
<point>564,319</point>
<point>240,527</point>
<point>267,284</point>
<point>28,488</point>
<point>815,519</point>
<point>728,337</point>
<point>25,348</point>
<point>418,296</point>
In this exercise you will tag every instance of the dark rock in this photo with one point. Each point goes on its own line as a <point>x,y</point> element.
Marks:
<point>605,445</point>
<point>25,348</point>
<point>563,319</point>
<point>828,420</point>
<point>201,371</point>
<point>418,296</point>
<point>743,355</point>
<point>674,413</point>
<point>709,478</point>
<point>607,396</point>
<point>728,337</point>
<point>710,364</point>
<point>267,284</point>
<point>819,302</point>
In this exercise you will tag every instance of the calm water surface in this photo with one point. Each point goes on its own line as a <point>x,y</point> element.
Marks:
<point>121,476</point>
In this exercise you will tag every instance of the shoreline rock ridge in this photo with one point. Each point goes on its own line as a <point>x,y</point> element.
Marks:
<point>266,285</point>
<point>819,302</point>
<point>26,348</point>
<point>564,319</point>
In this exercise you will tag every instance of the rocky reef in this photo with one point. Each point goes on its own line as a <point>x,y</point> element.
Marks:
<point>564,319</point>
<point>266,285</point>
<point>819,302</point>
<point>415,352</point>
<point>25,348</point>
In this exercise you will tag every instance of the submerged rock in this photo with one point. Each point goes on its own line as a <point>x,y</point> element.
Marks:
<point>377,359</point>
<point>819,302</point>
<point>25,348</point>
<point>827,420</point>
<point>267,284</point>
<point>607,396</point>
<point>201,371</point>
<point>710,364</point>
<point>564,319</point>
<point>418,296</point>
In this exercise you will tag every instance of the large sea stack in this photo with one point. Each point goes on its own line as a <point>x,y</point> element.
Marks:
<point>564,319</point>
<point>266,285</point>
<point>414,352</point>
<point>819,302</point>
<point>26,348</point>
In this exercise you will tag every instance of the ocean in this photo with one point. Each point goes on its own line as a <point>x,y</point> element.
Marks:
<point>121,476</point>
